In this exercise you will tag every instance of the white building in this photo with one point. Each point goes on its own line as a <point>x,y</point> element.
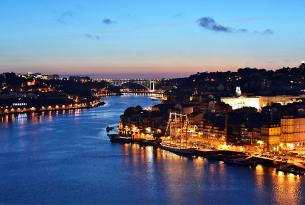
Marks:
<point>240,102</point>
<point>258,102</point>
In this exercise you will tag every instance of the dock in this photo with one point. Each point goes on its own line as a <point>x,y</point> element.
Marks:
<point>227,156</point>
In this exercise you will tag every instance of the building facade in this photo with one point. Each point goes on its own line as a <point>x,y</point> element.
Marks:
<point>258,102</point>
<point>290,134</point>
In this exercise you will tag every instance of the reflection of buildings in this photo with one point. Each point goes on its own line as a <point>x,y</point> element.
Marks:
<point>258,101</point>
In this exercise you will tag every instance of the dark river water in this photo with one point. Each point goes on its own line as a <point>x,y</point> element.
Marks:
<point>66,158</point>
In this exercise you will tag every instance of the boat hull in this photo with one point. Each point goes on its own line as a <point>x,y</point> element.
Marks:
<point>239,162</point>
<point>118,139</point>
<point>179,151</point>
<point>289,170</point>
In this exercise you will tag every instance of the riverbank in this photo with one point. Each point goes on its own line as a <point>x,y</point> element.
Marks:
<point>88,105</point>
<point>66,159</point>
<point>227,156</point>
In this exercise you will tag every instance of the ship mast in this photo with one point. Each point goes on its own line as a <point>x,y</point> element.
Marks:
<point>177,130</point>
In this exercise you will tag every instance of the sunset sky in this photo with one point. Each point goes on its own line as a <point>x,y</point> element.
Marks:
<point>156,37</point>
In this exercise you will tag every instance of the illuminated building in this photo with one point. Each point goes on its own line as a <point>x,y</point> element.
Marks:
<point>288,135</point>
<point>258,102</point>
<point>293,130</point>
<point>31,83</point>
<point>238,91</point>
<point>240,102</point>
<point>271,135</point>
<point>214,133</point>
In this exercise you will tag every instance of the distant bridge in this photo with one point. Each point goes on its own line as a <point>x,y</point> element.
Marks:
<point>148,84</point>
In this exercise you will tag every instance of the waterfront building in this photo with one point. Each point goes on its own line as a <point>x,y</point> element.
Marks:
<point>249,135</point>
<point>289,134</point>
<point>214,133</point>
<point>270,135</point>
<point>293,130</point>
<point>197,118</point>
<point>253,136</point>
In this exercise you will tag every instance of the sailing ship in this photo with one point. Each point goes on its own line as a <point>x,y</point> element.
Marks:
<point>177,128</point>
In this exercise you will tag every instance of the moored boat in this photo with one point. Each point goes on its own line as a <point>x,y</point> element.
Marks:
<point>145,142</point>
<point>119,139</point>
<point>239,161</point>
<point>108,129</point>
<point>286,168</point>
<point>184,151</point>
<point>154,98</point>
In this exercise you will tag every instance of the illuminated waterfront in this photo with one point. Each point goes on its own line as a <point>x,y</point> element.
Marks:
<point>65,157</point>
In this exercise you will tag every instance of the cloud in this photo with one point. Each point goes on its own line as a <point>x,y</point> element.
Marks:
<point>242,30</point>
<point>268,32</point>
<point>92,36</point>
<point>177,15</point>
<point>108,21</point>
<point>65,17</point>
<point>264,32</point>
<point>210,24</point>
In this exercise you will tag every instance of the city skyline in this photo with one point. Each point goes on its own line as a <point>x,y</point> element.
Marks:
<point>158,38</point>
<point>152,102</point>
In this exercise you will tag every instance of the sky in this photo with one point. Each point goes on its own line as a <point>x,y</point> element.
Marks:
<point>149,37</point>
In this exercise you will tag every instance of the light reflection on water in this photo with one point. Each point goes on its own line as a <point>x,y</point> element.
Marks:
<point>35,118</point>
<point>270,186</point>
<point>66,158</point>
<point>286,188</point>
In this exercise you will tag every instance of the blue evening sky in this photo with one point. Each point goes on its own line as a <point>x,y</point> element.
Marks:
<point>150,36</point>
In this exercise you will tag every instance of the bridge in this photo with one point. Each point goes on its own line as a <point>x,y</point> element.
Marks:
<point>148,84</point>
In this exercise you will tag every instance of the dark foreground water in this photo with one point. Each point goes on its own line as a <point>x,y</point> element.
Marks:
<point>66,158</point>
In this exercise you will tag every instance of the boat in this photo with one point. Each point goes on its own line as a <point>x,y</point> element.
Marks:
<point>108,129</point>
<point>178,150</point>
<point>115,138</point>
<point>215,157</point>
<point>144,142</point>
<point>239,161</point>
<point>154,98</point>
<point>286,168</point>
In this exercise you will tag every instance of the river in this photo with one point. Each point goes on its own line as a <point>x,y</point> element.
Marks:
<point>66,158</point>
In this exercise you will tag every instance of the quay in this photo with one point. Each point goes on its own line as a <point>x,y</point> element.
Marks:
<point>227,156</point>
<point>115,138</point>
<point>92,104</point>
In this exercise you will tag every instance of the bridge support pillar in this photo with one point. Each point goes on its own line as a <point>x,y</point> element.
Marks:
<point>151,86</point>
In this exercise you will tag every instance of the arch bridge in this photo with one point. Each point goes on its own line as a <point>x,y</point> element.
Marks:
<point>148,84</point>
